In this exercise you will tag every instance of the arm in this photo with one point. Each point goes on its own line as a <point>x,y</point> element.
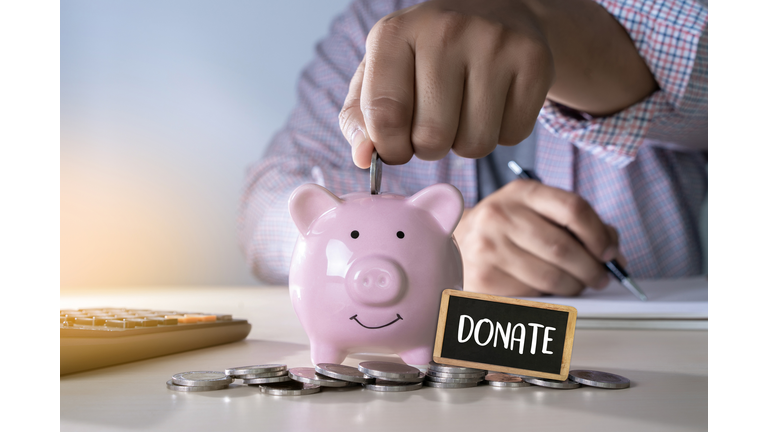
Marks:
<point>466,76</point>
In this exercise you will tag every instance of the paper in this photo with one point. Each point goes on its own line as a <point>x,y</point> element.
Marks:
<point>668,299</point>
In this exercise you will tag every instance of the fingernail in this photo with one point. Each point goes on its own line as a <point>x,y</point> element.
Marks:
<point>610,253</point>
<point>357,138</point>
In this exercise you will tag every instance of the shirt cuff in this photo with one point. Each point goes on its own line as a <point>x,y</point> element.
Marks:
<point>666,34</point>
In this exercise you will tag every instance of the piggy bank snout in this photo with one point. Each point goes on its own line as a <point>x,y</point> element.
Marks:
<point>375,281</point>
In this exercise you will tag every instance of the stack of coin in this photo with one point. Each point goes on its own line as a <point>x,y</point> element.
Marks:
<point>391,377</point>
<point>260,374</point>
<point>344,373</point>
<point>309,375</point>
<point>446,376</point>
<point>278,380</point>
<point>197,381</point>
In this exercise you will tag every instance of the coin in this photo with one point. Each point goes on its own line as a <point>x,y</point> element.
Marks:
<point>289,388</point>
<point>455,375</point>
<point>256,369</point>
<point>375,173</point>
<point>504,380</point>
<point>261,375</point>
<point>309,376</point>
<point>201,378</point>
<point>454,380</point>
<point>267,380</point>
<point>392,386</point>
<point>174,387</point>
<point>408,379</point>
<point>450,385</point>
<point>344,373</point>
<point>390,371</point>
<point>444,368</point>
<point>543,382</point>
<point>599,379</point>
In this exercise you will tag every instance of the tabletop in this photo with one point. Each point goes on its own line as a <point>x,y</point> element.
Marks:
<point>667,369</point>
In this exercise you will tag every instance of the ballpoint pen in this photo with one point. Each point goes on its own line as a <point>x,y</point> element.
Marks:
<point>613,266</point>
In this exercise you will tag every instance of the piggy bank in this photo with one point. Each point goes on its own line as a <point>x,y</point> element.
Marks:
<point>368,271</point>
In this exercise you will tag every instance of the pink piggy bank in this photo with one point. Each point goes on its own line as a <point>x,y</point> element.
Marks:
<point>368,270</point>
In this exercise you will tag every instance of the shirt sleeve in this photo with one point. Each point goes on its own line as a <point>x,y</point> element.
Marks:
<point>310,148</point>
<point>666,34</point>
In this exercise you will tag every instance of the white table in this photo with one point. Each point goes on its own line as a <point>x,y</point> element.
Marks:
<point>667,368</point>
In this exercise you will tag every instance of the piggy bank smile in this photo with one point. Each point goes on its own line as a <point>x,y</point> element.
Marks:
<point>354,317</point>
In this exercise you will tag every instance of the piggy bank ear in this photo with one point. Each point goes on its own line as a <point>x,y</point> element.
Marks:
<point>443,201</point>
<point>308,202</point>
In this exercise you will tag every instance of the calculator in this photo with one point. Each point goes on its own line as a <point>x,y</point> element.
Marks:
<point>98,337</point>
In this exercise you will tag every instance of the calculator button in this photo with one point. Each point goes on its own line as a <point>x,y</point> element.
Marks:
<point>152,322</point>
<point>101,320</point>
<point>131,323</point>
<point>84,321</point>
<point>223,317</point>
<point>115,323</point>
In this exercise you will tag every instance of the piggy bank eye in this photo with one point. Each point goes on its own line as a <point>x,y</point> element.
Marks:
<point>400,234</point>
<point>355,234</point>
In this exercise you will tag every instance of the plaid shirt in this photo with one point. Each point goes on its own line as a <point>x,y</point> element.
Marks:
<point>642,169</point>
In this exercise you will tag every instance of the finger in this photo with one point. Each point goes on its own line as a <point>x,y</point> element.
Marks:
<point>527,93</point>
<point>553,244</point>
<point>386,97</point>
<point>491,280</point>
<point>572,212</point>
<point>437,105</point>
<point>352,123</point>
<point>535,272</point>
<point>486,87</point>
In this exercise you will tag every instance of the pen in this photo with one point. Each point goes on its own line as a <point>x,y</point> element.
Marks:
<point>613,266</point>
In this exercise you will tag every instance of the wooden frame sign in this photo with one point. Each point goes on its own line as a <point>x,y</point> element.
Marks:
<point>505,334</point>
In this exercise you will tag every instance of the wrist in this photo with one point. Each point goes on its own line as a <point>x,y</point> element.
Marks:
<point>598,69</point>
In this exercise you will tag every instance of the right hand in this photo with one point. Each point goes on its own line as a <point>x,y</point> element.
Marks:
<point>515,243</point>
<point>447,75</point>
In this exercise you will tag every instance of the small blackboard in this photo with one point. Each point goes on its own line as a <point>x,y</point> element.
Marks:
<point>505,334</point>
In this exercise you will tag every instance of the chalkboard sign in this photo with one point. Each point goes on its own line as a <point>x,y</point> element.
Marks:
<point>505,334</point>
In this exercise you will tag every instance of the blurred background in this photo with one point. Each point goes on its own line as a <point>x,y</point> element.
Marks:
<point>163,105</point>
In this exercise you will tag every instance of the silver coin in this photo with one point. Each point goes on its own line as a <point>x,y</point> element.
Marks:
<point>267,380</point>
<point>444,368</point>
<point>543,382</point>
<point>454,380</point>
<point>392,386</point>
<point>599,379</point>
<point>289,388</point>
<point>449,384</point>
<point>256,369</point>
<point>409,379</point>
<point>344,373</point>
<point>260,375</point>
<point>390,371</point>
<point>171,386</point>
<point>309,376</point>
<point>504,380</point>
<point>201,378</point>
<point>375,173</point>
<point>432,373</point>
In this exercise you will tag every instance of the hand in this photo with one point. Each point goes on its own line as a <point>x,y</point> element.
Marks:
<point>447,75</point>
<point>514,243</point>
<point>468,75</point>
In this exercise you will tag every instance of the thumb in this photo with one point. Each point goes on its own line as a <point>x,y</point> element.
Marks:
<point>352,122</point>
